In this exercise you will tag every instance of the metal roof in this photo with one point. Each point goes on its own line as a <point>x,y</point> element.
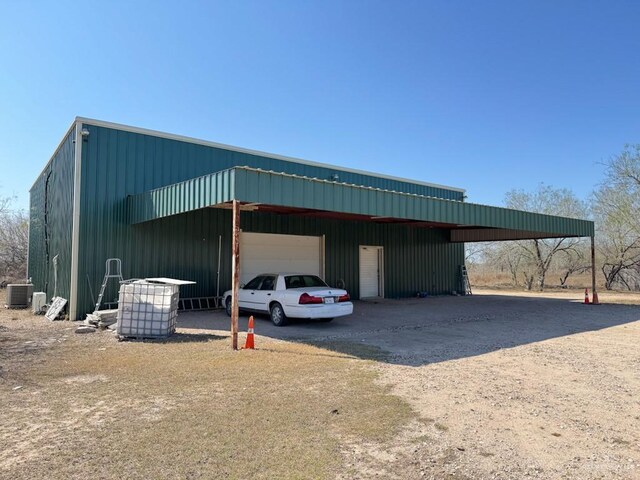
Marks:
<point>260,189</point>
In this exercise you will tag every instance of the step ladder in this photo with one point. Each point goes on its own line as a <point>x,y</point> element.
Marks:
<point>116,263</point>
<point>464,281</point>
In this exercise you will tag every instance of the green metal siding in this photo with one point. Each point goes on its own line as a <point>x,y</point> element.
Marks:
<point>162,161</point>
<point>278,189</point>
<point>271,188</point>
<point>120,171</point>
<point>186,247</point>
<point>117,164</point>
<point>415,259</point>
<point>52,193</point>
<point>181,197</point>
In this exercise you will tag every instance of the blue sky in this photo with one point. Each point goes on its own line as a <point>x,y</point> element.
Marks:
<point>488,96</point>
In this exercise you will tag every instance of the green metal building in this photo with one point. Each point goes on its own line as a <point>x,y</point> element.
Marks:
<point>161,203</point>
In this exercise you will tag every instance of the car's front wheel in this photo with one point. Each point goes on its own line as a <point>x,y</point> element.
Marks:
<point>278,317</point>
<point>227,305</point>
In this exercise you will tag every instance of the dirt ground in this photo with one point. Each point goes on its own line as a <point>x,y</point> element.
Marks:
<point>502,385</point>
<point>564,407</point>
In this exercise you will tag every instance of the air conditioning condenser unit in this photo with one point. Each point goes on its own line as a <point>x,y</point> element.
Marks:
<point>19,295</point>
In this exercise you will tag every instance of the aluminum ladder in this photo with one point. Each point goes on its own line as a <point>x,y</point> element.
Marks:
<point>464,281</point>
<point>117,263</point>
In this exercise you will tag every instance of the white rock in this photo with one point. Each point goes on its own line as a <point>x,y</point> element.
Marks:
<point>85,329</point>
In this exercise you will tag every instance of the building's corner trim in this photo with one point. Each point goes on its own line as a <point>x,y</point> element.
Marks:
<point>75,232</point>
<point>28,239</point>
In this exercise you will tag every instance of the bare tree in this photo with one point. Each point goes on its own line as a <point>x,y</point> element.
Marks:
<point>474,252</point>
<point>617,215</point>
<point>14,231</point>
<point>573,262</point>
<point>623,170</point>
<point>502,256</point>
<point>537,256</point>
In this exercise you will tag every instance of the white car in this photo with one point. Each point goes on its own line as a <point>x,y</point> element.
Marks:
<point>291,295</point>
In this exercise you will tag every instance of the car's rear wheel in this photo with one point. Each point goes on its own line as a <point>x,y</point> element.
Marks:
<point>278,318</point>
<point>227,305</point>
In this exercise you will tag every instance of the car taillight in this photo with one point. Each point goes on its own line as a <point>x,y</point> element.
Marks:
<point>344,298</point>
<point>306,299</point>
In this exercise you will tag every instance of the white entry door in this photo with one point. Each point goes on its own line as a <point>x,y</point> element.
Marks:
<point>371,274</point>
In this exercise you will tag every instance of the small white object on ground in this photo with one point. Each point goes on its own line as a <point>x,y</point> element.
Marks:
<point>85,329</point>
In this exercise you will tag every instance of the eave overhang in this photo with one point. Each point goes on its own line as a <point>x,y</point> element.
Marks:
<point>277,192</point>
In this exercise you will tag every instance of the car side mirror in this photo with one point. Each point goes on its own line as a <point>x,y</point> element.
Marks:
<point>242,285</point>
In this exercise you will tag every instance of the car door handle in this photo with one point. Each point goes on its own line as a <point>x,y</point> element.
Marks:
<point>252,293</point>
<point>268,294</point>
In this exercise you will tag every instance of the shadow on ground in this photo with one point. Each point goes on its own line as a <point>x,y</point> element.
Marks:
<point>180,337</point>
<point>435,329</point>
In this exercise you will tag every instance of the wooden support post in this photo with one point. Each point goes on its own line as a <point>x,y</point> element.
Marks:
<point>593,266</point>
<point>235,274</point>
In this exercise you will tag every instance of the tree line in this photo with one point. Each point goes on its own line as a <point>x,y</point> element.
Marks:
<point>614,206</point>
<point>14,238</point>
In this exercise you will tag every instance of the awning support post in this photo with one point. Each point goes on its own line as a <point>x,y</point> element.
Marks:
<point>235,273</point>
<point>593,266</point>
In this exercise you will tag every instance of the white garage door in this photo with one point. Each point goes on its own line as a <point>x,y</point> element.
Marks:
<point>273,253</point>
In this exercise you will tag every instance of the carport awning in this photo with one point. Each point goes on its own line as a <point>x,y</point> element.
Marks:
<point>285,193</point>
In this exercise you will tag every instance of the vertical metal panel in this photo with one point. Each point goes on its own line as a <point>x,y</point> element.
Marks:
<point>268,187</point>
<point>178,198</point>
<point>367,201</point>
<point>118,164</point>
<point>182,160</point>
<point>53,193</point>
<point>185,246</point>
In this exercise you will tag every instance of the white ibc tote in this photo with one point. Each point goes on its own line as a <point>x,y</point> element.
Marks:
<point>148,308</point>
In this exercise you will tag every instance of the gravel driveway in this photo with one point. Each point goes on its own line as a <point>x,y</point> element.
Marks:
<point>422,331</point>
<point>503,385</point>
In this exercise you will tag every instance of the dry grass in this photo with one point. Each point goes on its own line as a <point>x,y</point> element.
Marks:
<point>484,281</point>
<point>561,403</point>
<point>488,278</point>
<point>90,406</point>
<point>605,297</point>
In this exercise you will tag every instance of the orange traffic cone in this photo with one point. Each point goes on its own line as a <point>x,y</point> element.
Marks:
<point>595,298</point>
<point>249,343</point>
<point>586,296</point>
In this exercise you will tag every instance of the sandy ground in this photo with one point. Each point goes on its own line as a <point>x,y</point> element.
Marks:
<point>503,384</point>
<point>563,407</point>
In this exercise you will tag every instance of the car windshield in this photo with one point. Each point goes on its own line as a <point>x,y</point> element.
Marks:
<point>302,281</point>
